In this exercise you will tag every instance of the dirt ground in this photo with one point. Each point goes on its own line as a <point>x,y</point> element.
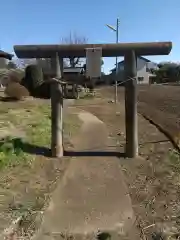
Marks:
<point>153,178</point>
<point>164,98</point>
<point>161,105</point>
<point>158,103</point>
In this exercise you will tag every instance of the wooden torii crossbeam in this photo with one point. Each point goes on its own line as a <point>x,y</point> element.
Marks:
<point>130,51</point>
<point>79,50</point>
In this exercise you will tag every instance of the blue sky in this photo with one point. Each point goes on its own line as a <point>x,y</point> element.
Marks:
<point>46,22</point>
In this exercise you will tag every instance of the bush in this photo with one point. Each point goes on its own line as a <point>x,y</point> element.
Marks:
<point>16,76</point>
<point>11,76</point>
<point>43,91</point>
<point>33,78</point>
<point>16,91</point>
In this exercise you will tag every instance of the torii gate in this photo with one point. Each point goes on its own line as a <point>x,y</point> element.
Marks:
<point>130,51</point>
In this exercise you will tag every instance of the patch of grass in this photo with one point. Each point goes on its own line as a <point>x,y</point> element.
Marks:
<point>35,122</point>
<point>11,152</point>
<point>174,159</point>
<point>39,132</point>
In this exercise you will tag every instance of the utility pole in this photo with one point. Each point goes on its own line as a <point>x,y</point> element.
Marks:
<point>116,30</point>
<point>117,40</point>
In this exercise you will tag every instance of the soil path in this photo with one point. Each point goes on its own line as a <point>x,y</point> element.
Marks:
<point>92,197</point>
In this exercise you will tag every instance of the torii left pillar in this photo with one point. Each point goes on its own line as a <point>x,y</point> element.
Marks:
<point>57,109</point>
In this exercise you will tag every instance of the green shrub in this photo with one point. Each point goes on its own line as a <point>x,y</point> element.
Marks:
<point>33,78</point>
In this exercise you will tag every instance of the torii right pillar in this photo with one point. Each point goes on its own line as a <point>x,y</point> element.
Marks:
<point>131,117</point>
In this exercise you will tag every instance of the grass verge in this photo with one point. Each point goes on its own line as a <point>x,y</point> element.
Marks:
<point>27,176</point>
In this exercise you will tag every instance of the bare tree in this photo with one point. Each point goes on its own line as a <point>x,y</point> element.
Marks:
<point>73,38</point>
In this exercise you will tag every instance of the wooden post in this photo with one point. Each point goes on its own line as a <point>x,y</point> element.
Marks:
<point>56,110</point>
<point>131,104</point>
<point>64,90</point>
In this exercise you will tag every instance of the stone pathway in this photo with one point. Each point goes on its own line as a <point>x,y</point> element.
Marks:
<point>91,201</point>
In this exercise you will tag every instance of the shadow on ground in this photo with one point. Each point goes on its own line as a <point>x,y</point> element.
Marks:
<point>36,150</point>
<point>8,99</point>
<point>9,144</point>
<point>18,144</point>
<point>93,154</point>
<point>44,151</point>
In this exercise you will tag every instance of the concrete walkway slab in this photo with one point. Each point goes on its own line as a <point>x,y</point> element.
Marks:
<point>91,201</point>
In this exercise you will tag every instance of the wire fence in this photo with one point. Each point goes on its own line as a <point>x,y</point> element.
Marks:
<point>129,78</point>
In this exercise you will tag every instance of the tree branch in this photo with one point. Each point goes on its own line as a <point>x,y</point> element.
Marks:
<point>73,38</point>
